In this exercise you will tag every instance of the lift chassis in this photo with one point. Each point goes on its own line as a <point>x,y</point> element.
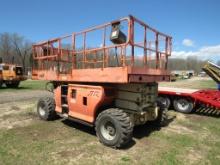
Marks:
<point>112,87</point>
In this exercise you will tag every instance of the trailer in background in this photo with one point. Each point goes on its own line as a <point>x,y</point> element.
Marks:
<point>188,100</point>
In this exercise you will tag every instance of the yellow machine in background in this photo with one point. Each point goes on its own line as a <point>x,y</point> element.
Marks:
<point>213,71</point>
<point>11,75</point>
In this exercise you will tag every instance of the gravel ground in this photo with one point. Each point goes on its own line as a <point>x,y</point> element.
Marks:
<point>10,96</point>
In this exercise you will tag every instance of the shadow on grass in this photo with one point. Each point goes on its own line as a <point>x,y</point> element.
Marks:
<point>79,126</point>
<point>145,130</point>
<point>139,131</point>
<point>91,131</point>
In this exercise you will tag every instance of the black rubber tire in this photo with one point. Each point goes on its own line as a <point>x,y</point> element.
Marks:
<point>164,100</point>
<point>13,85</point>
<point>1,83</point>
<point>47,105</point>
<point>162,117</point>
<point>122,125</point>
<point>178,105</point>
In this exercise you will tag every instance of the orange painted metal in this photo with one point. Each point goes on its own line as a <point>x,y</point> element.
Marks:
<point>107,75</point>
<point>57,97</point>
<point>84,103</point>
<point>77,61</point>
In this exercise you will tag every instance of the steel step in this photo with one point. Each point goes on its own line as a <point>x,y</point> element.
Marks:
<point>64,105</point>
<point>64,115</point>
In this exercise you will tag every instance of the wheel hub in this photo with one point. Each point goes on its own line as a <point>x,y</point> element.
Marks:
<point>42,111</point>
<point>108,130</point>
<point>182,104</point>
<point>111,130</point>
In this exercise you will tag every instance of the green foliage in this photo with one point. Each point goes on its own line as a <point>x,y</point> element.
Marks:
<point>27,85</point>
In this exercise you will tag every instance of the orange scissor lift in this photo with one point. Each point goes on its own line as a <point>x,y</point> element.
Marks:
<point>105,76</point>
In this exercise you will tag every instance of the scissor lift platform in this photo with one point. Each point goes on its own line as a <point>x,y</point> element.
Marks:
<point>138,55</point>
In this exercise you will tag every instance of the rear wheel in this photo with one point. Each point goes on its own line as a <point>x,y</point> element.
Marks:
<point>164,100</point>
<point>183,105</point>
<point>114,128</point>
<point>162,116</point>
<point>46,108</point>
<point>1,83</point>
<point>13,84</point>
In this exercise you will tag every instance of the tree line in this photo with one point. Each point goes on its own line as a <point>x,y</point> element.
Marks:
<point>190,63</point>
<point>16,49</point>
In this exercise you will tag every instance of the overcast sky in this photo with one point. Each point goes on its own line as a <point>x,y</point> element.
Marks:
<point>194,24</point>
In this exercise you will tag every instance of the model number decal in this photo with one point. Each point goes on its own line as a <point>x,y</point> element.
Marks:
<point>94,93</point>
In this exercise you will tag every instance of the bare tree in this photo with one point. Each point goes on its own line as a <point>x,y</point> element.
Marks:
<point>14,48</point>
<point>6,47</point>
<point>190,63</point>
<point>22,49</point>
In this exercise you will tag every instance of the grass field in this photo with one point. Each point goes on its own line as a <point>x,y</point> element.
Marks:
<point>24,139</point>
<point>194,83</point>
<point>27,85</point>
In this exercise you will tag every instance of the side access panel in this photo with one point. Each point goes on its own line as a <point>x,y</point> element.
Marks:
<point>84,100</point>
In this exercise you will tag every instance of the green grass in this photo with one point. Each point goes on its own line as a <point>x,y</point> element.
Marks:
<point>58,143</point>
<point>33,84</point>
<point>27,85</point>
<point>191,139</point>
<point>205,84</point>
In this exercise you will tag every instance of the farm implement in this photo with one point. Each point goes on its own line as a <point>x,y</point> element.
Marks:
<point>187,100</point>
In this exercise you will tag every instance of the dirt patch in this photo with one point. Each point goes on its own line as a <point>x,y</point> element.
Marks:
<point>180,116</point>
<point>196,118</point>
<point>16,114</point>
<point>13,124</point>
<point>16,108</point>
<point>193,156</point>
<point>179,129</point>
<point>12,96</point>
<point>176,126</point>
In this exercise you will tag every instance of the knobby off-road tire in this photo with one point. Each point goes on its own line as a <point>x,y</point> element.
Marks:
<point>183,105</point>
<point>13,85</point>
<point>46,108</point>
<point>114,128</point>
<point>164,100</point>
<point>162,117</point>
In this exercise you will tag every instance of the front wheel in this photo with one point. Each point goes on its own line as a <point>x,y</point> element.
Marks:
<point>183,105</point>
<point>46,108</point>
<point>114,128</point>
